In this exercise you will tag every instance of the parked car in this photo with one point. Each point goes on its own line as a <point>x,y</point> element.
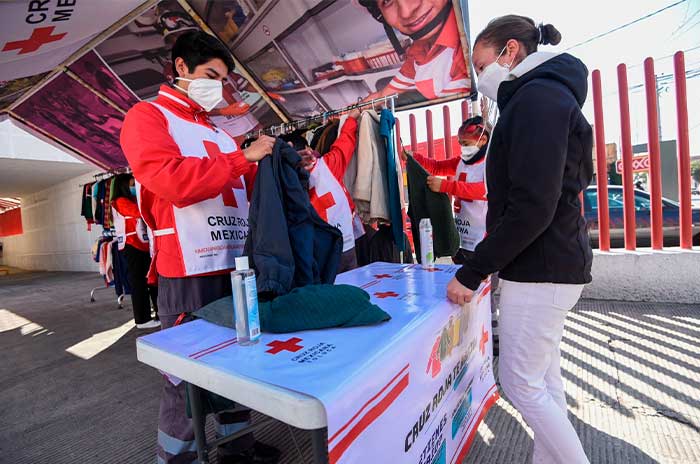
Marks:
<point>695,198</point>
<point>642,205</point>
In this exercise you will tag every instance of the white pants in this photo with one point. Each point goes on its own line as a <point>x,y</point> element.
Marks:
<point>531,325</point>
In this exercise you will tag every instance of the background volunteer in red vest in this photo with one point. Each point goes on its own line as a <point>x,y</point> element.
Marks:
<point>327,191</point>
<point>434,63</point>
<point>194,186</point>
<point>538,164</point>
<point>132,239</point>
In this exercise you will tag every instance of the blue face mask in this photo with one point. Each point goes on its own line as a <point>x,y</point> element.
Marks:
<point>132,189</point>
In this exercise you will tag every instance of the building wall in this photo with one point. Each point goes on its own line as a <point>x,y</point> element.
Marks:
<point>55,236</point>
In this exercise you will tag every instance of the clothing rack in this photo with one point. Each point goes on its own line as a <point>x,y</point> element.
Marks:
<point>107,174</point>
<point>280,129</point>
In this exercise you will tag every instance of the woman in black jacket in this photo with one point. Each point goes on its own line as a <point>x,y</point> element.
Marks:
<point>539,162</point>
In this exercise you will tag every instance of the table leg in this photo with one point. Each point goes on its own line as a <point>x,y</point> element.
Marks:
<point>319,445</point>
<point>198,419</point>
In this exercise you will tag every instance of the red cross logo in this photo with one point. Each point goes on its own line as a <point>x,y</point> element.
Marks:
<point>321,204</point>
<point>291,345</point>
<point>39,37</point>
<point>382,276</point>
<point>228,196</point>
<point>484,340</point>
<point>431,269</point>
<point>382,295</point>
<point>462,177</point>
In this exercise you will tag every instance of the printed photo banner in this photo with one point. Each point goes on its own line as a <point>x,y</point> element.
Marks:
<point>318,55</point>
<point>95,72</point>
<point>140,54</point>
<point>37,36</point>
<point>68,111</point>
<point>411,390</point>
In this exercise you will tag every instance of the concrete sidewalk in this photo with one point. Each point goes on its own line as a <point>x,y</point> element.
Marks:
<point>72,390</point>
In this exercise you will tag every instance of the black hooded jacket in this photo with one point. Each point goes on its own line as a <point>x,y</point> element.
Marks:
<point>539,161</point>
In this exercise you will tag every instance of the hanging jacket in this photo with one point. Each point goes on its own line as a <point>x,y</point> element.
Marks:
<point>394,177</point>
<point>366,177</point>
<point>424,203</point>
<point>128,225</point>
<point>328,137</point>
<point>288,245</point>
<point>469,190</point>
<point>86,210</point>
<point>328,195</point>
<point>539,162</point>
<point>194,185</point>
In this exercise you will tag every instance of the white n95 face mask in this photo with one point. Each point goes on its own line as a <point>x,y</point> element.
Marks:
<point>469,151</point>
<point>492,76</point>
<point>207,93</point>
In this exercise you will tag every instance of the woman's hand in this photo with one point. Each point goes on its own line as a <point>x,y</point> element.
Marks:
<point>434,183</point>
<point>458,293</point>
<point>259,149</point>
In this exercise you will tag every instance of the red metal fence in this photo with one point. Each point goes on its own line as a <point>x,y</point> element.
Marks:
<point>448,146</point>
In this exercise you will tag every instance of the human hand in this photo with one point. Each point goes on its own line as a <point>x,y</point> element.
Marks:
<point>354,113</point>
<point>434,183</point>
<point>308,159</point>
<point>259,149</point>
<point>458,293</point>
<point>404,153</point>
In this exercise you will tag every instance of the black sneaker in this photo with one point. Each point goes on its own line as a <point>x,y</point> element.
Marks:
<point>260,453</point>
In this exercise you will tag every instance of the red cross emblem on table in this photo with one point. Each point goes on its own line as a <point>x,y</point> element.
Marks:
<point>382,276</point>
<point>291,345</point>
<point>39,37</point>
<point>321,204</point>
<point>431,269</point>
<point>228,196</point>
<point>382,295</point>
<point>484,340</point>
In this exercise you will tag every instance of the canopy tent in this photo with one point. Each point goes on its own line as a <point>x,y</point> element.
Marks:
<point>70,70</point>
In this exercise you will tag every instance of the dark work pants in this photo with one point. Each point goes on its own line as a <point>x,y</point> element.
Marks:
<point>138,263</point>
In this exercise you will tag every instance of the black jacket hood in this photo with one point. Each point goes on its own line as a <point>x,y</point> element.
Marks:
<point>564,68</point>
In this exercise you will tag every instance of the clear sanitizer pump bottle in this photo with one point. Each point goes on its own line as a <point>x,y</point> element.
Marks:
<point>245,303</point>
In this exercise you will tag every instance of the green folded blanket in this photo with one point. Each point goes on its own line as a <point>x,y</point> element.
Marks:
<point>306,308</point>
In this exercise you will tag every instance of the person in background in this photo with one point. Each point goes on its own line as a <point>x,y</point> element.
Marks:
<point>434,63</point>
<point>539,162</point>
<point>133,242</point>
<point>327,191</point>
<point>194,185</point>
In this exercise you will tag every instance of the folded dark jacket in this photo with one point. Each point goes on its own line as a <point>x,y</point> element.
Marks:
<point>305,308</point>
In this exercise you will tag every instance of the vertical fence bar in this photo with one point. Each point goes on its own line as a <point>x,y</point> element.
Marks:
<point>654,148</point>
<point>685,213</point>
<point>601,165</point>
<point>447,131</point>
<point>627,178</point>
<point>429,132</point>
<point>412,130</point>
<point>465,110</point>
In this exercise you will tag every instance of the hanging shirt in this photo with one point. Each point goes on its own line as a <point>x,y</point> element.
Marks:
<point>437,70</point>
<point>469,190</point>
<point>327,192</point>
<point>129,227</point>
<point>194,185</point>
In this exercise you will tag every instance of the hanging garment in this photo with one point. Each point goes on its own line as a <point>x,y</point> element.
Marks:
<point>328,137</point>
<point>86,205</point>
<point>327,193</point>
<point>99,203</point>
<point>394,175</point>
<point>122,286</point>
<point>469,191</point>
<point>107,222</point>
<point>95,188</point>
<point>128,225</point>
<point>366,176</point>
<point>289,245</point>
<point>194,184</point>
<point>378,246</point>
<point>424,203</point>
<point>318,132</point>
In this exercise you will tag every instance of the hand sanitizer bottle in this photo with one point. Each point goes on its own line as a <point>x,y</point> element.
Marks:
<point>245,303</point>
<point>426,243</point>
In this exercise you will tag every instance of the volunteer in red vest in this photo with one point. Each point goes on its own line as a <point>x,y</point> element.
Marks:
<point>469,188</point>
<point>132,239</point>
<point>194,185</point>
<point>327,191</point>
<point>434,63</point>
